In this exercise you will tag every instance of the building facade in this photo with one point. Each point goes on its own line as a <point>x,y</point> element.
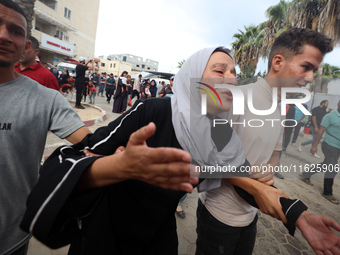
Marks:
<point>65,29</point>
<point>138,65</point>
<point>114,66</point>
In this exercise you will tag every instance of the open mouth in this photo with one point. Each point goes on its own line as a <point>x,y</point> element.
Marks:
<point>227,94</point>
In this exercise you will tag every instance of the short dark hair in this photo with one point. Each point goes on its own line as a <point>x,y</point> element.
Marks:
<point>15,7</point>
<point>291,42</point>
<point>323,102</point>
<point>35,42</point>
<point>124,72</point>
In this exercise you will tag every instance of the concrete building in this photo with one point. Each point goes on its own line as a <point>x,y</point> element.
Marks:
<point>65,29</point>
<point>116,67</point>
<point>138,65</point>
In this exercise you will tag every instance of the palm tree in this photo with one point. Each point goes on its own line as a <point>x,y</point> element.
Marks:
<point>180,63</point>
<point>331,71</point>
<point>247,45</point>
<point>278,22</point>
<point>28,8</point>
<point>329,74</point>
<point>322,16</point>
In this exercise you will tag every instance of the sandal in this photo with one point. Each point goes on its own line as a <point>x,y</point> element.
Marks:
<point>306,180</point>
<point>180,214</point>
<point>330,198</point>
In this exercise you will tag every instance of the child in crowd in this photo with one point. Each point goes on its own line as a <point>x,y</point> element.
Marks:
<point>66,88</point>
<point>91,91</point>
<point>147,91</point>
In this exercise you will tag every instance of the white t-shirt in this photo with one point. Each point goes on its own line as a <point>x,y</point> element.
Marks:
<point>258,145</point>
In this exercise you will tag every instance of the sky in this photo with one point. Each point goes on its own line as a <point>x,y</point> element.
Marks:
<point>169,31</point>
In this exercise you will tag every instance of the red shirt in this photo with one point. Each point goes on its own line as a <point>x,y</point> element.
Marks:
<point>40,74</point>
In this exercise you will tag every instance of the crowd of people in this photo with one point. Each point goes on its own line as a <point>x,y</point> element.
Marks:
<point>123,183</point>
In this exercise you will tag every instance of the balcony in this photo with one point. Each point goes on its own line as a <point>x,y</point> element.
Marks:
<point>46,15</point>
<point>50,3</point>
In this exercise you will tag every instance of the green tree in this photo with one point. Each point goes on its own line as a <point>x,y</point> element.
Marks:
<point>180,63</point>
<point>247,46</point>
<point>278,22</point>
<point>322,16</point>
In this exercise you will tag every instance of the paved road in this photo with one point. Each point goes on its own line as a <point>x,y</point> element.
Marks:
<point>272,236</point>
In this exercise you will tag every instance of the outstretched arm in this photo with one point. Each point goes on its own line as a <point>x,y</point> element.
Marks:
<point>318,233</point>
<point>168,168</point>
<point>315,228</point>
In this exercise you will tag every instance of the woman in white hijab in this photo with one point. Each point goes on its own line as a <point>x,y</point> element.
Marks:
<point>131,216</point>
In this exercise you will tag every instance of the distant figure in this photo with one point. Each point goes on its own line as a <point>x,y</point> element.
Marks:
<point>136,87</point>
<point>110,88</point>
<point>167,90</point>
<point>121,94</point>
<point>331,149</point>
<point>81,81</point>
<point>28,66</point>
<point>91,92</point>
<point>317,114</point>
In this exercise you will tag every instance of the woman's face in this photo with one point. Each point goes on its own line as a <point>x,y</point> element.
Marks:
<point>153,83</point>
<point>220,69</point>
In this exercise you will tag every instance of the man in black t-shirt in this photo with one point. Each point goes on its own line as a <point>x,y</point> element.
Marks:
<point>317,115</point>
<point>80,81</point>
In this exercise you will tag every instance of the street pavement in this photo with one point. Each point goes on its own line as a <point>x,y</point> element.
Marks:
<point>272,236</point>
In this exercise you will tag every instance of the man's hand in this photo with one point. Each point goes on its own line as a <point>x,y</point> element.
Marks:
<point>262,173</point>
<point>168,168</point>
<point>313,149</point>
<point>268,200</point>
<point>318,233</point>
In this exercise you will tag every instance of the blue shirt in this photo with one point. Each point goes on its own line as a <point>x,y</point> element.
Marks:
<point>331,121</point>
<point>299,113</point>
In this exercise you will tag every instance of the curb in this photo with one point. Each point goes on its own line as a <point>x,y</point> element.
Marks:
<point>102,118</point>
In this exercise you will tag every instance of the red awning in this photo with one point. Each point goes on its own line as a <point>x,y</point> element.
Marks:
<point>71,61</point>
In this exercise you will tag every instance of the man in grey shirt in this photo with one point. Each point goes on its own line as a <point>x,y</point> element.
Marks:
<point>29,111</point>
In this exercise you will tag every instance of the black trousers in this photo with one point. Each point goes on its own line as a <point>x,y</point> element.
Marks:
<point>80,87</point>
<point>328,166</point>
<point>109,94</point>
<point>215,237</point>
<point>21,251</point>
<point>135,93</point>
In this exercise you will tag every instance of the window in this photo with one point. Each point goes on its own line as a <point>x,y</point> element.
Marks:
<point>143,66</point>
<point>137,65</point>
<point>59,35</point>
<point>124,58</point>
<point>111,65</point>
<point>148,68</point>
<point>102,64</point>
<point>114,65</point>
<point>67,13</point>
<point>66,38</point>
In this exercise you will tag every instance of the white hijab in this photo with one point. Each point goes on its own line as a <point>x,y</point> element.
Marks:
<point>193,130</point>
